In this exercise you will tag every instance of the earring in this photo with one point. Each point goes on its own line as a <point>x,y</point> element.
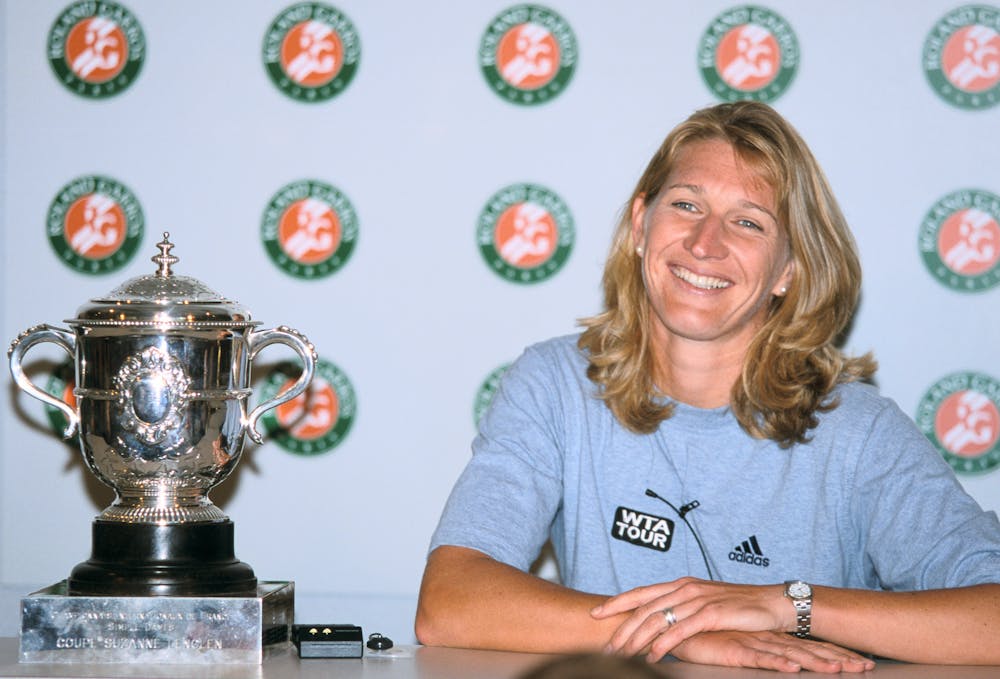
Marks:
<point>638,250</point>
<point>783,289</point>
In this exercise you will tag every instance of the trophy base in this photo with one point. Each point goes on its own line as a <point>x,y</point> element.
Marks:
<point>57,627</point>
<point>134,559</point>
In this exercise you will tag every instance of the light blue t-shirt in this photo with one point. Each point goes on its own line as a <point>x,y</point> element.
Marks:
<point>866,503</point>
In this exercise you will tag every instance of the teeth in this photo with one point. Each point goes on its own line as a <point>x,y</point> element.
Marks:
<point>703,282</point>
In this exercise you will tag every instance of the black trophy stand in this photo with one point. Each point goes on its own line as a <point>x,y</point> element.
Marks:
<point>134,559</point>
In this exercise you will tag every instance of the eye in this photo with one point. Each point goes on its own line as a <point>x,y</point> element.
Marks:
<point>684,205</point>
<point>749,224</point>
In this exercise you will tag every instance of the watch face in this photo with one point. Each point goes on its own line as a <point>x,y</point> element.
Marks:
<point>799,590</point>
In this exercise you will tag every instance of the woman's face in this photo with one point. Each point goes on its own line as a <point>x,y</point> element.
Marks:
<point>713,253</point>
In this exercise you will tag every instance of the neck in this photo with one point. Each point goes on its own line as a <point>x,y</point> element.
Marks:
<point>700,374</point>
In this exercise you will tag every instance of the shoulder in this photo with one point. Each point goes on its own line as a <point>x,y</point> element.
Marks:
<point>860,416</point>
<point>563,349</point>
<point>858,393</point>
<point>863,418</point>
<point>548,380</point>
<point>558,359</point>
<point>859,401</point>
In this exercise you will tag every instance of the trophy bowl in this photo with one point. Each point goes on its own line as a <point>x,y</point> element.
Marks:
<point>162,369</point>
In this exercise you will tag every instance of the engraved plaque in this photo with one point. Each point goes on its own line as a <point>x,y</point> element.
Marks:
<point>57,628</point>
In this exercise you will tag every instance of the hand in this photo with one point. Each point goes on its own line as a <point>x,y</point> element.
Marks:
<point>697,606</point>
<point>769,651</point>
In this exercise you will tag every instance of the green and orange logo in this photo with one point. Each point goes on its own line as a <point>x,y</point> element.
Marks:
<point>487,390</point>
<point>960,240</point>
<point>961,57</point>
<point>525,233</point>
<point>309,229</point>
<point>61,384</point>
<point>748,52</point>
<point>316,421</point>
<point>96,48</point>
<point>528,54</point>
<point>960,414</point>
<point>95,224</point>
<point>311,52</point>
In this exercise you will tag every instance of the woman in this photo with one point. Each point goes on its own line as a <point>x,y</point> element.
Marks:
<point>717,481</point>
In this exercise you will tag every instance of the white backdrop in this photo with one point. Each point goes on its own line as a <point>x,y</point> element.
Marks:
<point>416,143</point>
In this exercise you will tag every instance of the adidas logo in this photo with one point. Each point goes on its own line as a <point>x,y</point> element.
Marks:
<point>749,552</point>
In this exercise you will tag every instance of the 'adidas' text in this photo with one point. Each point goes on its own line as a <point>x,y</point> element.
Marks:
<point>749,552</point>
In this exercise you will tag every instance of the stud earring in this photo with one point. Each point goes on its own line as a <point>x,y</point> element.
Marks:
<point>638,250</point>
<point>783,289</point>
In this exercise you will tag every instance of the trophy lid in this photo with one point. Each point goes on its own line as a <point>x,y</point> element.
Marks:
<point>163,299</point>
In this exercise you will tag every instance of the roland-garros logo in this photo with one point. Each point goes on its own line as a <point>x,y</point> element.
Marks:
<point>528,54</point>
<point>961,57</point>
<point>309,229</point>
<point>319,419</point>
<point>60,384</point>
<point>95,224</point>
<point>525,233</point>
<point>960,414</point>
<point>487,390</point>
<point>748,52</point>
<point>96,48</point>
<point>960,240</point>
<point>311,51</point>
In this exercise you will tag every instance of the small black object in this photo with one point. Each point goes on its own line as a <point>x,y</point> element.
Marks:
<point>377,642</point>
<point>327,641</point>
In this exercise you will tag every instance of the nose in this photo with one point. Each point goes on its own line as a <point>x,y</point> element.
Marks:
<point>706,239</point>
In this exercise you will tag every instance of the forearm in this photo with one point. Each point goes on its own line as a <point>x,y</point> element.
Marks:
<point>469,600</point>
<point>948,626</point>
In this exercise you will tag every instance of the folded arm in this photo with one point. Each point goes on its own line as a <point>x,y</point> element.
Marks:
<point>946,626</point>
<point>470,600</point>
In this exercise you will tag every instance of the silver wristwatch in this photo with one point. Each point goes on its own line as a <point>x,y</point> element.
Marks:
<point>801,595</point>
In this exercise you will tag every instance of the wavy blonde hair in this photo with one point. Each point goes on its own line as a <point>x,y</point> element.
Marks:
<point>792,363</point>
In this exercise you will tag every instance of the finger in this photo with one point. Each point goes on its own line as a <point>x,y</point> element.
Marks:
<point>669,639</point>
<point>650,631</point>
<point>662,637</point>
<point>644,625</point>
<point>837,658</point>
<point>766,660</point>
<point>819,656</point>
<point>630,600</point>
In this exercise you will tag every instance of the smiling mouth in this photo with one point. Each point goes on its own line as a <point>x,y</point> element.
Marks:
<point>698,281</point>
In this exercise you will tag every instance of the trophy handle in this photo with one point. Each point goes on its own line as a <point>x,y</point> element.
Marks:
<point>19,347</point>
<point>303,347</point>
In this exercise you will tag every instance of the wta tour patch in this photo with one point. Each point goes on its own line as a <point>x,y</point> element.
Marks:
<point>641,529</point>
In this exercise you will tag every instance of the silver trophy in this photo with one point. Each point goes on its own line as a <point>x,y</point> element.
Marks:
<point>162,388</point>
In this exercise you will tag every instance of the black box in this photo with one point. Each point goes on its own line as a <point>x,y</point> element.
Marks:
<point>328,641</point>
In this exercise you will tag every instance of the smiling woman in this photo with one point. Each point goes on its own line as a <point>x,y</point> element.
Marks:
<point>777,199</point>
<point>711,386</point>
<point>714,259</point>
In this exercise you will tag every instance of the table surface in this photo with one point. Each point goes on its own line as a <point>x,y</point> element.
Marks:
<point>416,662</point>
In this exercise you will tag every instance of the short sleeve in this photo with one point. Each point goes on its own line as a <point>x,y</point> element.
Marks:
<point>505,500</point>
<point>919,528</point>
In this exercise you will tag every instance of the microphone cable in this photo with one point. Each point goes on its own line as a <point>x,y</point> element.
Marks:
<point>681,513</point>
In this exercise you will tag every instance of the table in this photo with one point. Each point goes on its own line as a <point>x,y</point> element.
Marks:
<point>419,662</point>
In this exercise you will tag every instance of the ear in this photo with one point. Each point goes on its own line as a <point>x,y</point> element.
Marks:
<point>785,279</point>
<point>638,220</point>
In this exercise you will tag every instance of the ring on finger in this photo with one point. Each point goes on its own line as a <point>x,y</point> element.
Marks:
<point>668,615</point>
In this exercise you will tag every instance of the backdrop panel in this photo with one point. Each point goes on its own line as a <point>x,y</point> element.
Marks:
<point>355,170</point>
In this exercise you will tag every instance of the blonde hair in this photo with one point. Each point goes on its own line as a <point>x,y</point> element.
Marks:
<point>792,363</point>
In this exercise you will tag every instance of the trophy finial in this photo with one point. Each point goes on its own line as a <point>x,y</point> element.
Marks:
<point>164,260</point>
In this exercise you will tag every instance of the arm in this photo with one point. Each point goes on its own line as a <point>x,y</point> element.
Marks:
<point>470,600</point>
<point>945,626</point>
